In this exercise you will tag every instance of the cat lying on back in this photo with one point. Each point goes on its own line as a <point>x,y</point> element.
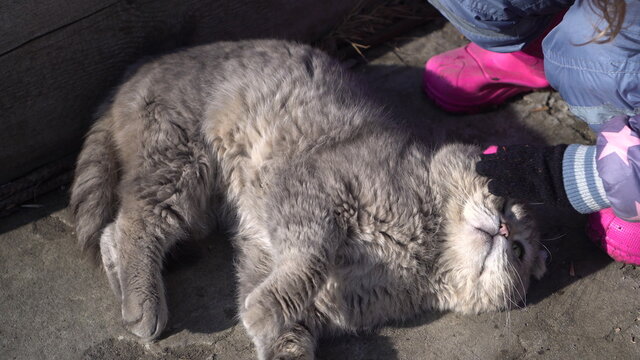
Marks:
<point>342,220</point>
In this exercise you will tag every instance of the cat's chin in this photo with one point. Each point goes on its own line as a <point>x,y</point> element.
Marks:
<point>490,252</point>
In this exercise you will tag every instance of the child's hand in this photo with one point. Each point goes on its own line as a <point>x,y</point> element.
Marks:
<point>529,173</point>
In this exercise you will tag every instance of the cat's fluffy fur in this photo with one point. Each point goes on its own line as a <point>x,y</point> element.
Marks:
<point>342,220</point>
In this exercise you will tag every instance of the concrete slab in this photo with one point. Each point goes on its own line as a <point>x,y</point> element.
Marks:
<point>54,305</point>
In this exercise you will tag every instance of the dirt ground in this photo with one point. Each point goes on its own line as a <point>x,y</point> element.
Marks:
<point>55,305</point>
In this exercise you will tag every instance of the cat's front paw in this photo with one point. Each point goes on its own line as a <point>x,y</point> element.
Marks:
<point>262,315</point>
<point>295,344</point>
<point>144,315</point>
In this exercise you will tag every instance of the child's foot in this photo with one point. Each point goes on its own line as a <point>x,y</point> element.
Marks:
<point>469,78</point>
<point>619,238</point>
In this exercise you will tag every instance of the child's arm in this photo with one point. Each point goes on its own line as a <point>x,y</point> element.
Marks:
<point>585,178</point>
<point>618,164</point>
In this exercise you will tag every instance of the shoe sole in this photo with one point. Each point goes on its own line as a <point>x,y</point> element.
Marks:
<point>501,96</point>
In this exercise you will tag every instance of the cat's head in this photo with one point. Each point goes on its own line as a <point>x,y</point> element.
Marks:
<point>490,247</point>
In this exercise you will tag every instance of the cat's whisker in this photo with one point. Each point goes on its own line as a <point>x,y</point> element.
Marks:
<point>513,302</point>
<point>513,290</point>
<point>546,249</point>
<point>522,290</point>
<point>554,238</point>
<point>523,296</point>
<point>507,300</point>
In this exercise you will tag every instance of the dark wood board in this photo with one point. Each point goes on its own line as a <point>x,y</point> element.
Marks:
<point>56,70</point>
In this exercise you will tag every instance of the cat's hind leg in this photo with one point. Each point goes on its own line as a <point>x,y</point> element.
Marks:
<point>160,211</point>
<point>164,197</point>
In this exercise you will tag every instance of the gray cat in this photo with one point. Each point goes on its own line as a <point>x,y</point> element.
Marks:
<point>342,220</point>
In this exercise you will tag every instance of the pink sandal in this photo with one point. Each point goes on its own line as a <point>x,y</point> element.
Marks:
<point>619,238</point>
<point>469,78</point>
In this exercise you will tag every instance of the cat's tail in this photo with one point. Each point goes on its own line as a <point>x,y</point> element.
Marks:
<point>93,194</point>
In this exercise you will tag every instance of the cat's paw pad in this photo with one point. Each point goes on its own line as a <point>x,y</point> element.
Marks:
<point>144,316</point>
<point>262,315</point>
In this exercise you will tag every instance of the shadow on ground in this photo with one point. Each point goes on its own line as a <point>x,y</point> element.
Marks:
<point>201,287</point>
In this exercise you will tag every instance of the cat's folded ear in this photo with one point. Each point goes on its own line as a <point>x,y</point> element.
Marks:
<point>540,265</point>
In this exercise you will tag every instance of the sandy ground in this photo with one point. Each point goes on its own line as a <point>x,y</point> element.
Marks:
<point>54,305</point>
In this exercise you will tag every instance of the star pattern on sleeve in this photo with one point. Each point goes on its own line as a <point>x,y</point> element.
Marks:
<point>619,143</point>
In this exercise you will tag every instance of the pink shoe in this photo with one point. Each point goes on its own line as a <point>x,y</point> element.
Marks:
<point>619,238</point>
<point>469,78</point>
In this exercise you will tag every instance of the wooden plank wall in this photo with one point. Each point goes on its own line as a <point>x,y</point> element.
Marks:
<point>58,59</point>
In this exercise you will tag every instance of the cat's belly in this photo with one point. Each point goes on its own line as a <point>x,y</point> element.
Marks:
<point>247,149</point>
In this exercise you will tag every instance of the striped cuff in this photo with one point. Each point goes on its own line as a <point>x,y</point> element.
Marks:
<point>581,180</point>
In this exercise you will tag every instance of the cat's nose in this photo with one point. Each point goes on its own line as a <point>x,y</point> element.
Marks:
<point>504,230</point>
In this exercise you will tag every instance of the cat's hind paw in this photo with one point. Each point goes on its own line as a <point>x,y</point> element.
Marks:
<point>143,304</point>
<point>143,315</point>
